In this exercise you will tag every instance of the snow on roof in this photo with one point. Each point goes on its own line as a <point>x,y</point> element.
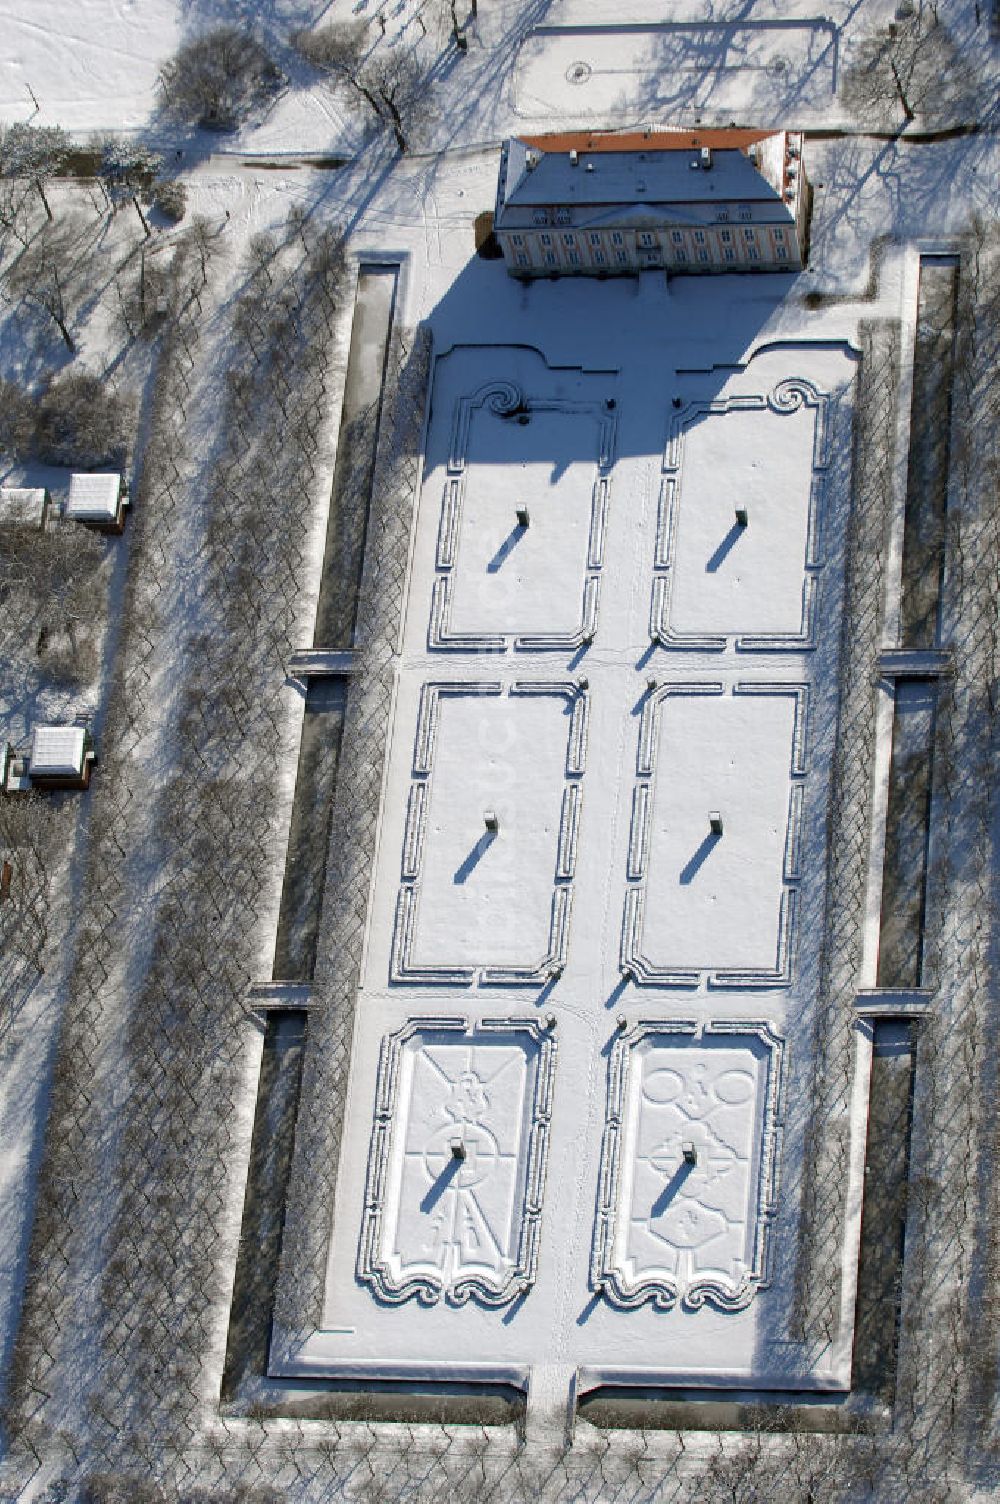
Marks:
<point>22,506</point>
<point>638,169</point>
<point>57,751</point>
<point>94,498</point>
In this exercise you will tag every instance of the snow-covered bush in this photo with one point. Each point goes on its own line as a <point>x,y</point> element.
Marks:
<point>170,197</point>
<point>31,155</point>
<point>83,422</point>
<point>127,171</point>
<point>219,79</point>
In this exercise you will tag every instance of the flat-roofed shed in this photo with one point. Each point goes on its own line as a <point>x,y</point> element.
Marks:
<point>97,500</point>
<point>23,506</point>
<point>61,756</point>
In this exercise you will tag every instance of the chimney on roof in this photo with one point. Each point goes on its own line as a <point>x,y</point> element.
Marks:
<point>706,157</point>
<point>574,157</point>
<point>530,160</point>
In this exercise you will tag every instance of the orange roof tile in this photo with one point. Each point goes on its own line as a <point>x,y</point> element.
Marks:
<point>595,141</point>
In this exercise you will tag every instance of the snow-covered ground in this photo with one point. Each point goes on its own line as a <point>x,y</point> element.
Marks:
<point>602,755</point>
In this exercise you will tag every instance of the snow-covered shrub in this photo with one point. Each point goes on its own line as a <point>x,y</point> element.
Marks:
<point>219,79</point>
<point>33,154</point>
<point>170,197</point>
<point>127,168</point>
<point>83,422</point>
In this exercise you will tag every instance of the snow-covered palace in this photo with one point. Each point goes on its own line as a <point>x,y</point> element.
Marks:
<point>590,203</point>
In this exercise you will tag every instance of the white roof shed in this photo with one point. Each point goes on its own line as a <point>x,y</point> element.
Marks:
<point>58,751</point>
<point>94,498</point>
<point>23,506</point>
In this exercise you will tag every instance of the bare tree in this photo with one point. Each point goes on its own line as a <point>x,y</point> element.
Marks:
<point>203,236</point>
<point>295,223</point>
<point>41,276</point>
<point>17,420</point>
<point>28,830</point>
<point>83,421</point>
<point>219,79</point>
<point>912,67</point>
<point>390,83</point>
<point>67,562</point>
<point>142,286</point>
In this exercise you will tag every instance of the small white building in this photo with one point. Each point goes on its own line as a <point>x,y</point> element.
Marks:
<point>24,507</point>
<point>97,500</point>
<point>600,203</point>
<point>61,757</point>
